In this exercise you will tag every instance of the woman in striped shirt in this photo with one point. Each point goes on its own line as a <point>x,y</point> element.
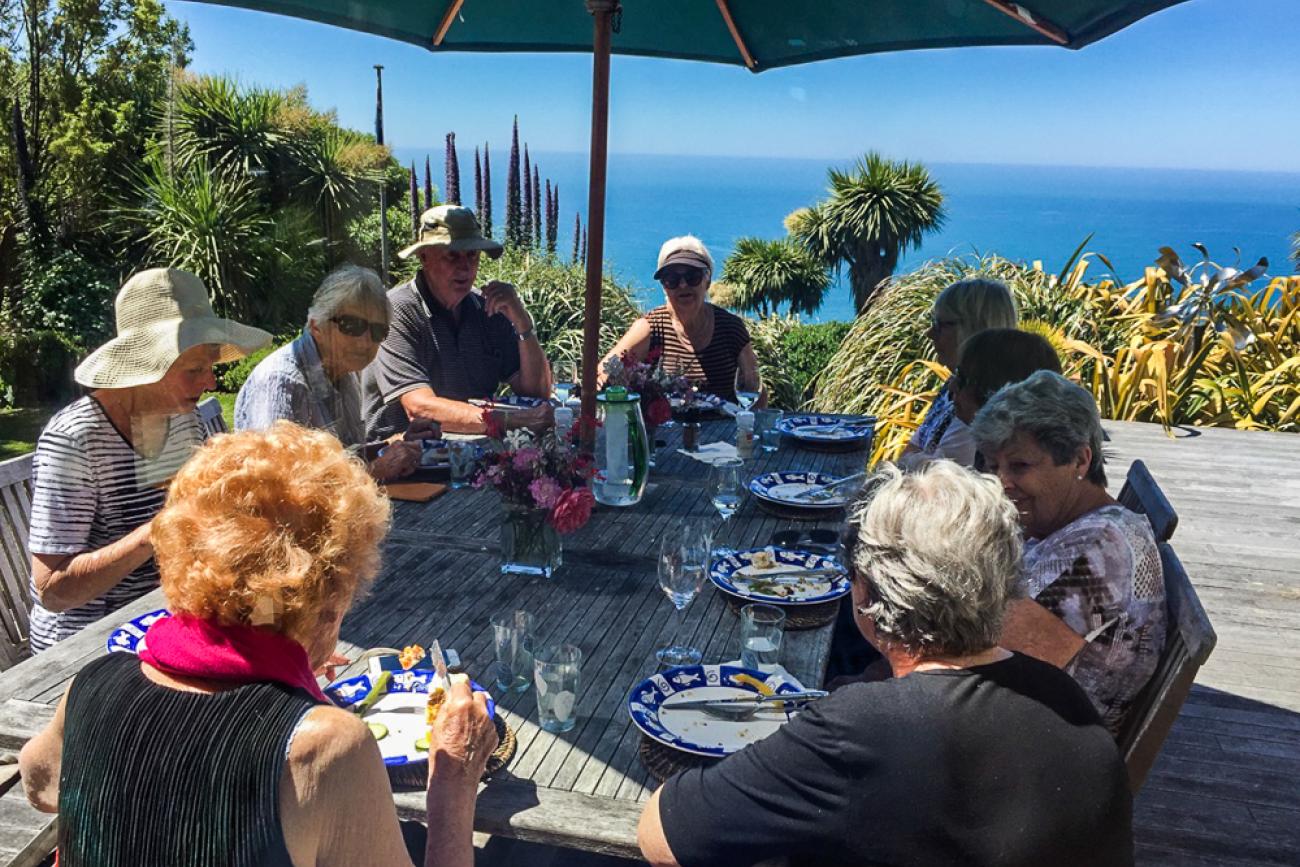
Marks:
<point>102,464</point>
<point>707,344</point>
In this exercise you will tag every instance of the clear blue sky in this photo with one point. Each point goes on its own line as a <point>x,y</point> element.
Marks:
<point>1209,84</point>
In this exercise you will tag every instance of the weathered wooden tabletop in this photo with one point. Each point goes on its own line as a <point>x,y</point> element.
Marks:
<point>440,579</point>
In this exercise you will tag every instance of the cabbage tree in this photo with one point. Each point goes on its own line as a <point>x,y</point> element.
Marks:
<point>764,275</point>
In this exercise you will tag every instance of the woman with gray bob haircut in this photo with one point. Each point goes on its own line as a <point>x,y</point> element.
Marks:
<point>961,311</point>
<point>969,754</point>
<point>315,380</point>
<point>1092,574</point>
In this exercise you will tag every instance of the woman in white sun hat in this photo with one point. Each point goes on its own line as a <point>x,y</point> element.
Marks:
<point>102,464</point>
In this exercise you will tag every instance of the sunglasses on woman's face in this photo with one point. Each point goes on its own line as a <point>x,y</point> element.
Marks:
<point>355,326</point>
<point>690,276</point>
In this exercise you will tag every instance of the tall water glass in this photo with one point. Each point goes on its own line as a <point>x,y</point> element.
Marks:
<point>765,422</point>
<point>512,636</point>
<point>555,674</point>
<point>724,486</point>
<point>462,458</point>
<point>761,630</point>
<point>684,552</point>
<point>747,388</point>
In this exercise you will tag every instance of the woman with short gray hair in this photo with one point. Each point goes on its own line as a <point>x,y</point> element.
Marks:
<point>970,754</point>
<point>314,381</point>
<point>1092,574</point>
<point>961,311</point>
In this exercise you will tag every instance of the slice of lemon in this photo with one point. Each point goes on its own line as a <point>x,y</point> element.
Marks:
<point>750,680</point>
<point>379,730</point>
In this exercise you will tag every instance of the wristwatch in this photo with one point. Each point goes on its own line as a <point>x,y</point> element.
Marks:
<point>524,335</point>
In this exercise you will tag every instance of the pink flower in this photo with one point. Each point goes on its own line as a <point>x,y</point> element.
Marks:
<point>572,510</point>
<point>658,411</point>
<point>546,492</point>
<point>525,457</point>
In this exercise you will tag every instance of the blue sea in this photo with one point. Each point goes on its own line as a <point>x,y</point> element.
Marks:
<point>1021,212</point>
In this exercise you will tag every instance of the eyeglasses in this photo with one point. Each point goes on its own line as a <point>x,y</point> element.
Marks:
<point>355,326</point>
<point>690,276</point>
<point>939,324</point>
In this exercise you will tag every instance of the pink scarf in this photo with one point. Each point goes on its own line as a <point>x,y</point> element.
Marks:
<point>187,646</point>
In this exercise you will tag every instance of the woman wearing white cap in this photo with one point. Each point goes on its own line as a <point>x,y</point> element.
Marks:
<point>698,339</point>
<point>102,464</point>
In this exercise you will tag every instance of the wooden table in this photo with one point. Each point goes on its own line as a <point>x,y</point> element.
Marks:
<point>440,579</point>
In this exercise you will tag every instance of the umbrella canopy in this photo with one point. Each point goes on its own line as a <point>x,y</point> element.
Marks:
<point>757,34</point>
<point>773,33</point>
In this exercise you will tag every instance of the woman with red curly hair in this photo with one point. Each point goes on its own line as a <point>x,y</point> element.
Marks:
<point>216,746</point>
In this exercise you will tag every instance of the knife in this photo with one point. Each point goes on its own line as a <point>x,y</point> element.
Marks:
<point>807,695</point>
<point>439,663</point>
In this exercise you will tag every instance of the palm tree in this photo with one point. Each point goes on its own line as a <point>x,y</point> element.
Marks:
<point>763,275</point>
<point>874,213</point>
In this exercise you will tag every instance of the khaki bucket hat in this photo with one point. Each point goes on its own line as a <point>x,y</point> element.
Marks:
<point>161,313</point>
<point>451,226</point>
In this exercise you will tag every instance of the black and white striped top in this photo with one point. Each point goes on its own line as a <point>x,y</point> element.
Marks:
<point>91,488</point>
<point>711,368</point>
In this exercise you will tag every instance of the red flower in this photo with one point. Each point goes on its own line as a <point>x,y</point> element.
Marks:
<point>492,421</point>
<point>658,411</point>
<point>572,510</point>
<point>652,357</point>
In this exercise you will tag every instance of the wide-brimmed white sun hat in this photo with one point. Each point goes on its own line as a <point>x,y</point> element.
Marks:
<point>161,313</point>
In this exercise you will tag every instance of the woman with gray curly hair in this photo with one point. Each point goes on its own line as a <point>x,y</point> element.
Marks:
<point>970,755</point>
<point>1092,575</point>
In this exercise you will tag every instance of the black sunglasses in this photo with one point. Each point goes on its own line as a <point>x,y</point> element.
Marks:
<point>355,326</point>
<point>689,276</point>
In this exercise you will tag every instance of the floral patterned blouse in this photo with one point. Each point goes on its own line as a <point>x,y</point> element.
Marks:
<point>1101,574</point>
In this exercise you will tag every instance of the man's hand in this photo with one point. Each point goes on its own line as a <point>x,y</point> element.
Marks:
<point>502,298</point>
<point>423,429</point>
<point>399,459</point>
<point>463,735</point>
<point>538,419</point>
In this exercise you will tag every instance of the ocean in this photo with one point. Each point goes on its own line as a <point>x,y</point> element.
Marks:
<point>1023,213</point>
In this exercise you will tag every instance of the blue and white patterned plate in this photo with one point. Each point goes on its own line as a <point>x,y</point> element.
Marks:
<point>127,637</point>
<point>510,402</point>
<point>693,731</point>
<point>702,402</point>
<point>401,710</point>
<point>817,429</point>
<point>729,575</point>
<point>784,488</point>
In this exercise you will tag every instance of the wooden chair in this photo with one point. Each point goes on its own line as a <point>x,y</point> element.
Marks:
<point>1141,494</point>
<point>15,559</point>
<point>1189,639</point>
<point>213,421</point>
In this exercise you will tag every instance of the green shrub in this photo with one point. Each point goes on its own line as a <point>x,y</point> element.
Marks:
<point>35,367</point>
<point>231,377</point>
<point>808,349</point>
<point>62,291</point>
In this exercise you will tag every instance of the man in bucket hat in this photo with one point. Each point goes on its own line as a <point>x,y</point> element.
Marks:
<point>102,463</point>
<point>449,342</point>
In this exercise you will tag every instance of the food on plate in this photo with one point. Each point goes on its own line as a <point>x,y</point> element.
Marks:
<point>410,655</point>
<point>378,730</point>
<point>438,695</point>
<point>422,744</point>
<point>377,691</point>
<point>750,680</point>
<point>763,560</point>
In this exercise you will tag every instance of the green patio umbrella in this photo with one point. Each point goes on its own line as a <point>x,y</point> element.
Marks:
<point>756,34</point>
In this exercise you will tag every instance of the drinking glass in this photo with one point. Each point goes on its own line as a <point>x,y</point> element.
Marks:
<point>724,486</point>
<point>555,674</point>
<point>761,628</point>
<point>747,388</point>
<point>462,456</point>
<point>684,552</point>
<point>512,635</point>
<point>765,421</point>
<point>566,375</point>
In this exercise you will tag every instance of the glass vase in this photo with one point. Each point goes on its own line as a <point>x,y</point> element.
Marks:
<point>529,544</point>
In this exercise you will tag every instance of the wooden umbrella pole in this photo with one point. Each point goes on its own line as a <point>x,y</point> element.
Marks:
<point>603,12</point>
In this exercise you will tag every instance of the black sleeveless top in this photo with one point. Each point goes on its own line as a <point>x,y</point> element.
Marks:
<point>712,368</point>
<point>154,776</point>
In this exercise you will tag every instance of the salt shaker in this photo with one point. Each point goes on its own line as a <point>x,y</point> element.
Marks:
<point>691,435</point>
<point>745,434</point>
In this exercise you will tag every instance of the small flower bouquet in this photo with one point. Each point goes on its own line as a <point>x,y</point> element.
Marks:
<point>648,378</point>
<point>544,483</point>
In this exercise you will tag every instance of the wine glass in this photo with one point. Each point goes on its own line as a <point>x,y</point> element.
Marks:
<point>724,486</point>
<point>747,388</point>
<point>684,553</point>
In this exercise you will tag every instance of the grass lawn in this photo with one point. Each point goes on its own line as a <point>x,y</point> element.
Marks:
<point>19,427</point>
